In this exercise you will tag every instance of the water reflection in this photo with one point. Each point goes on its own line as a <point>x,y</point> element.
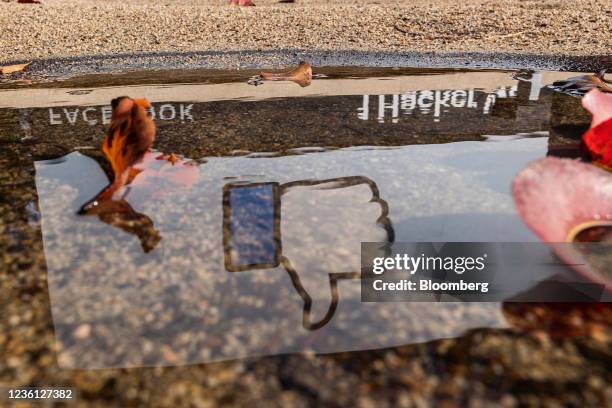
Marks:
<point>217,119</point>
<point>119,213</point>
<point>260,256</point>
<point>252,236</point>
<point>181,296</point>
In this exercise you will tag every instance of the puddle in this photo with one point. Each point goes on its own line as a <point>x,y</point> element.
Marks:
<point>250,246</point>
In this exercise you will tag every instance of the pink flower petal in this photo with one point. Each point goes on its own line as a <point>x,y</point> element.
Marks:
<point>558,197</point>
<point>553,196</point>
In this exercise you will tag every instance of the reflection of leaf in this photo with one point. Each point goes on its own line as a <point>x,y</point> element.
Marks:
<point>9,69</point>
<point>121,215</point>
<point>152,180</point>
<point>580,85</point>
<point>301,75</point>
<point>131,134</point>
<point>126,147</point>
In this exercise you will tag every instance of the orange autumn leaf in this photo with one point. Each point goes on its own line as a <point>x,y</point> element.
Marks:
<point>9,69</point>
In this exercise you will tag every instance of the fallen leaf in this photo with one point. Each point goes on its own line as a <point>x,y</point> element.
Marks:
<point>301,75</point>
<point>28,1</point>
<point>580,85</point>
<point>9,69</point>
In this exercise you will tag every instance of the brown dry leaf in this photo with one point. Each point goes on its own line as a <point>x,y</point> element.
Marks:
<point>14,68</point>
<point>28,1</point>
<point>301,75</point>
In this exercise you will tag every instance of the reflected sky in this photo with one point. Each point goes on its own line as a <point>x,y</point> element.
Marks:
<point>187,290</point>
<point>252,241</point>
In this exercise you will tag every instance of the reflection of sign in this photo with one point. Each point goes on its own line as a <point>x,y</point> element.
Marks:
<point>179,296</point>
<point>252,234</point>
<point>93,115</point>
<point>432,102</point>
<point>382,118</point>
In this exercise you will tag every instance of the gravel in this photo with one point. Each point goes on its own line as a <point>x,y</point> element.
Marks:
<point>528,365</point>
<point>72,28</point>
